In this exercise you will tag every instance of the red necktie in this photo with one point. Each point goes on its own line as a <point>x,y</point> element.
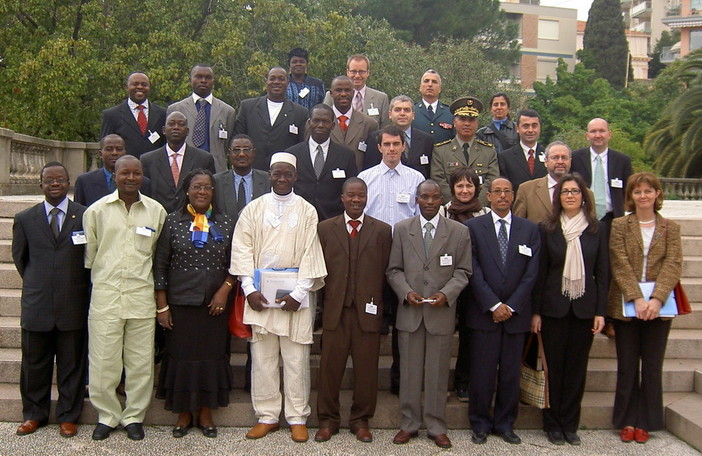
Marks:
<point>530,161</point>
<point>354,227</point>
<point>141,119</point>
<point>342,123</point>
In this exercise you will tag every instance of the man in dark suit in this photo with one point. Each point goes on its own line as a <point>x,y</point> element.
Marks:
<point>433,116</point>
<point>429,266</point>
<point>352,127</point>
<point>273,122</point>
<point>93,185</point>
<point>167,166</point>
<point>419,145</point>
<point>211,120</point>
<point>48,245</point>
<point>236,188</point>
<point>605,171</point>
<point>525,161</point>
<point>498,311</point>
<point>356,252</point>
<point>322,165</point>
<point>138,121</point>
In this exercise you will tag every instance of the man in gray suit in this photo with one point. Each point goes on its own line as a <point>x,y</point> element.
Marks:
<point>351,127</point>
<point>211,119</point>
<point>236,188</point>
<point>48,245</point>
<point>430,264</point>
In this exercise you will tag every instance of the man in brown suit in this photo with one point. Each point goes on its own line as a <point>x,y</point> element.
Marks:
<point>535,197</point>
<point>356,252</point>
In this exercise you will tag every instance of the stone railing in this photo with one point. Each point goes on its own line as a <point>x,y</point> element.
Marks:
<point>23,156</point>
<point>682,189</point>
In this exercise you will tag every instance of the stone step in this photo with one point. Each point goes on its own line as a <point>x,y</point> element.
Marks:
<point>692,244</point>
<point>689,226</point>
<point>6,228</point>
<point>10,302</point>
<point>692,265</point>
<point>596,410</point>
<point>9,277</point>
<point>683,417</point>
<point>693,288</point>
<point>10,205</point>
<point>682,344</point>
<point>5,251</point>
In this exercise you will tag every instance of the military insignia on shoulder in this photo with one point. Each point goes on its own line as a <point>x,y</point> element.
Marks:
<point>442,143</point>
<point>484,143</point>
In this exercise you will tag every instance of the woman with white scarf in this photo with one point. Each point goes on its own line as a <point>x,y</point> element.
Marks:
<point>570,301</point>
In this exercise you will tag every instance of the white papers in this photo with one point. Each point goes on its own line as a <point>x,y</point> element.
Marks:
<point>276,284</point>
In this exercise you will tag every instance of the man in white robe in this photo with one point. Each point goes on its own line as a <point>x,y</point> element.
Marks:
<point>279,230</point>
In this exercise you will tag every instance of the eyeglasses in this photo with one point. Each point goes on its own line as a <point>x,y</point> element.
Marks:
<point>236,150</point>
<point>500,192</point>
<point>355,72</point>
<point>572,191</point>
<point>197,188</point>
<point>60,180</point>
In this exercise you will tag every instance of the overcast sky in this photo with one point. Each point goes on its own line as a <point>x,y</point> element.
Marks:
<point>583,6</point>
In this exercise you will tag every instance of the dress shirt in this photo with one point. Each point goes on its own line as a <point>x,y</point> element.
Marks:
<point>248,184</point>
<point>384,186</point>
<point>347,219</point>
<point>135,110</point>
<point>461,143</point>
<point>197,97</point>
<point>363,96</point>
<point>338,113</point>
<point>313,148</point>
<point>61,216</point>
<point>496,223</point>
<point>433,105</point>
<point>179,158</point>
<point>551,186</point>
<point>408,139</point>
<point>525,150</point>
<point>120,259</point>
<point>434,222</point>
<point>108,177</point>
<point>274,108</point>
<point>593,163</point>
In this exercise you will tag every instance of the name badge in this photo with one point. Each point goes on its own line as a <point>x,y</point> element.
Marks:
<point>371,308</point>
<point>362,146</point>
<point>524,250</point>
<point>303,93</point>
<point>373,112</point>
<point>78,238</point>
<point>446,260</point>
<point>222,132</point>
<point>292,129</point>
<point>144,231</point>
<point>617,183</point>
<point>480,179</point>
<point>423,160</point>
<point>338,173</point>
<point>542,158</point>
<point>154,136</point>
<point>403,198</point>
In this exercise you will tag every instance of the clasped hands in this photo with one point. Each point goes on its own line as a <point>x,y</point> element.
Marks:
<point>257,301</point>
<point>415,299</point>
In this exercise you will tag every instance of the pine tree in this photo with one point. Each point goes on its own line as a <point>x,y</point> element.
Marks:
<point>605,48</point>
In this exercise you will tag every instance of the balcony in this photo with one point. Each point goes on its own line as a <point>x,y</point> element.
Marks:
<point>642,10</point>
<point>642,27</point>
<point>669,54</point>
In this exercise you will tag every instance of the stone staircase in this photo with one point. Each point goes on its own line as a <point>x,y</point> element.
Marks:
<point>682,378</point>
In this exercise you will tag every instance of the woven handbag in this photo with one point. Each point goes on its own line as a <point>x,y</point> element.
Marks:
<point>533,382</point>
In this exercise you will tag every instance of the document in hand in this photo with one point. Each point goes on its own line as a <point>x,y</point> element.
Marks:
<point>276,283</point>
<point>669,309</point>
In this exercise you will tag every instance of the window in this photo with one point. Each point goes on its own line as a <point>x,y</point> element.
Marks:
<point>548,30</point>
<point>695,39</point>
<point>546,67</point>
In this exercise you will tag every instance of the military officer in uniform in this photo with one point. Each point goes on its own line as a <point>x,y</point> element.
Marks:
<point>465,150</point>
<point>431,115</point>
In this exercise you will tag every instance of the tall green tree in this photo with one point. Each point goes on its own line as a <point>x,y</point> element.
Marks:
<point>667,39</point>
<point>605,48</point>
<point>675,140</point>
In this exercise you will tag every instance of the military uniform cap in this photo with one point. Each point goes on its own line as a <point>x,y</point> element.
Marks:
<point>466,107</point>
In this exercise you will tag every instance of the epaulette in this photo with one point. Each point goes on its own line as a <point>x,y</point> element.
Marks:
<point>442,143</point>
<point>484,143</point>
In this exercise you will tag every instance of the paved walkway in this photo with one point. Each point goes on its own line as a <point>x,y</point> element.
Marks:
<point>231,441</point>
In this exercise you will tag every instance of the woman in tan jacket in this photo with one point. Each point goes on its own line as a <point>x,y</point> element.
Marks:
<point>644,247</point>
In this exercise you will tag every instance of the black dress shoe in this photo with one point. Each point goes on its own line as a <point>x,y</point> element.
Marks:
<point>572,438</point>
<point>102,431</point>
<point>556,437</point>
<point>479,437</point>
<point>182,431</point>
<point>511,437</point>
<point>135,431</point>
<point>462,395</point>
<point>208,431</point>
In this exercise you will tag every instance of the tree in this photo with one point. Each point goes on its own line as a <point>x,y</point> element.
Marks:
<point>480,22</point>
<point>667,39</point>
<point>605,48</point>
<point>675,140</point>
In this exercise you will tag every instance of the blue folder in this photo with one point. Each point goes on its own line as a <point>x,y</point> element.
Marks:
<point>669,309</point>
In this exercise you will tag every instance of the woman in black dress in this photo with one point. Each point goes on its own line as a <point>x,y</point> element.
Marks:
<point>192,285</point>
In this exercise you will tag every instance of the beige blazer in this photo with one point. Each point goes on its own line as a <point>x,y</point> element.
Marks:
<point>626,256</point>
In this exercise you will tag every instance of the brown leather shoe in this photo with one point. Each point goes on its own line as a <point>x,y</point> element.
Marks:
<point>325,434</point>
<point>364,435</point>
<point>28,427</point>
<point>261,430</point>
<point>608,330</point>
<point>68,429</point>
<point>403,437</point>
<point>441,440</point>
<point>299,433</point>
